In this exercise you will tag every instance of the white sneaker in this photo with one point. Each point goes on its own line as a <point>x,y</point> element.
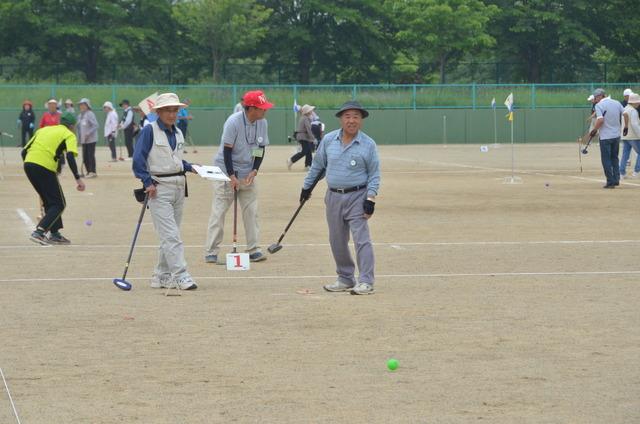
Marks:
<point>128,159</point>
<point>185,283</point>
<point>362,288</point>
<point>338,286</point>
<point>289,164</point>
<point>92,175</point>
<point>634,175</point>
<point>162,282</point>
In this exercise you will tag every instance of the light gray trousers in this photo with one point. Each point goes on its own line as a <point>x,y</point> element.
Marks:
<point>345,214</point>
<point>166,211</point>
<point>248,207</point>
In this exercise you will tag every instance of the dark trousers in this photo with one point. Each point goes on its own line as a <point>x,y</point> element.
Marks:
<point>89,156</point>
<point>128,140</point>
<point>307,147</point>
<point>609,156</point>
<point>111,141</point>
<point>46,184</point>
<point>182,124</point>
<point>27,133</point>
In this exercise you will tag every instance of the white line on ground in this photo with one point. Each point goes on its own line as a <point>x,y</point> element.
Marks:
<point>26,219</point>
<point>15,412</point>
<point>302,277</point>
<point>390,244</point>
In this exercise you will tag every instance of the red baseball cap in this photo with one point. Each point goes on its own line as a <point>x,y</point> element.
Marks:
<point>256,99</point>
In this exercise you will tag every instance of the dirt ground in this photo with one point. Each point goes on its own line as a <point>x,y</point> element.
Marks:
<point>503,303</point>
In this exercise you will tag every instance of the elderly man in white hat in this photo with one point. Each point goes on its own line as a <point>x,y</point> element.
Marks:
<point>305,137</point>
<point>625,94</point>
<point>157,161</point>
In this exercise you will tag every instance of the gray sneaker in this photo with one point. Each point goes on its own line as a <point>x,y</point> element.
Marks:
<point>211,259</point>
<point>362,288</point>
<point>338,286</point>
<point>57,238</point>
<point>39,237</point>
<point>161,282</point>
<point>185,283</point>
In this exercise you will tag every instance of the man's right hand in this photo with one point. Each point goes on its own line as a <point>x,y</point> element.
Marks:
<point>305,194</point>
<point>151,191</point>
<point>235,182</point>
<point>625,131</point>
<point>80,185</point>
<point>593,132</point>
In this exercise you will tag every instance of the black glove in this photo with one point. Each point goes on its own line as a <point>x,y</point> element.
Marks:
<point>625,131</point>
<point>593,133</point>
<point>369,206</point>
<point>305,194</point>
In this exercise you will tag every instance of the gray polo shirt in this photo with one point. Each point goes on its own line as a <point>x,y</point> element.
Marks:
<point>244,136</point>
<point>611,111</point>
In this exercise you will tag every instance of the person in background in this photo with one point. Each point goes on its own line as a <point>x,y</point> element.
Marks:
<point>630,135</point>
<point>608,123</point>
<point>51,116</point>
<point>40,157</point>
<point>184,117</point>
<point>317,128</point>
<point>127,126</point>
<point>305,137</point>
<point>625,94</point>
<point>110,128</point>
<point>27,122</point>
<point>238,107</point>
<point>87,130</point>
<point>157,162</point>
<point>68,106</point>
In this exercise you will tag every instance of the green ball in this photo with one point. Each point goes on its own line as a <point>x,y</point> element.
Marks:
<point>392,364</point>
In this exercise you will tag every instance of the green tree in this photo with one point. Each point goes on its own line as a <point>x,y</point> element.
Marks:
<point>226,29</point>
<point>346,39</point>
<point>440,31</point>
<point>543,35</point>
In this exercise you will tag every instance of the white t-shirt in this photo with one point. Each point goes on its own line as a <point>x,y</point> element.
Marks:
<point>634,123</point>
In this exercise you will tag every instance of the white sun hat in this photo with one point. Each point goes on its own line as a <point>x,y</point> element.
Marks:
<point>167,100</point>
<point>634,98</point>
<point>627,92</point>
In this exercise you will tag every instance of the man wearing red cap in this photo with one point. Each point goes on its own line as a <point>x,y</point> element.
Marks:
<point>244,138</point>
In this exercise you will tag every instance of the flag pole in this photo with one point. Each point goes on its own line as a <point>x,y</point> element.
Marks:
<point>512,151</point>
<point>495,129</point>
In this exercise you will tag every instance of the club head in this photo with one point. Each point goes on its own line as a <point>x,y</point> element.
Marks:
<point>274,248</point>
<point>585,151</point>
<point>122,284</point>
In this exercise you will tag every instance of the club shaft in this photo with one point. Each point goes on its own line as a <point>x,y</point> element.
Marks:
<point>135,235</point>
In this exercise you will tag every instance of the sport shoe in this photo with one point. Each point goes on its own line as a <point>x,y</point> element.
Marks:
<point>39,237</point>
<point>634,175</point>
<point>289,164</point>
<point>257,257</point>
<point>211,259</point>
<point>338,286</point>
<point>57,238</point>
<point>362,288</point>
<point>92,175</point>
<point>186,283</point>
<point>161,282</point>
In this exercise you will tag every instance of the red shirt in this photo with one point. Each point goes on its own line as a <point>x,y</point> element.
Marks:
<point>49,119</point>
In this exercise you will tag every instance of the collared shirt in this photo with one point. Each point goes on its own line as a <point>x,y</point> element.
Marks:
<point>49,143</point>
<point>111,123</point>
<point>244,136</point>
<point>49,119</point>
<point>348,165</point>
<point>127,117</point>
<point>611,112</point>
<point>143,147</point>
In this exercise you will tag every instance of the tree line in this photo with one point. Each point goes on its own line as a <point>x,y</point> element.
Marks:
<point>306,41</point>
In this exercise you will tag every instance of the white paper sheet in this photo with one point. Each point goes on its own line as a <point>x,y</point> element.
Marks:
<point>210,172</point>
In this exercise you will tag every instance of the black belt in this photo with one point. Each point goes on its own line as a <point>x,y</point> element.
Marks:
<point>176,174</point>
<point>347,190</point>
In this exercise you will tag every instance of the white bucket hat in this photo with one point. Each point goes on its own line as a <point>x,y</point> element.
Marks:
<point>109,105</point>
<point>634,98</point>
<point>167,100</point>
<point>306,109</point>
<point>85,101</point>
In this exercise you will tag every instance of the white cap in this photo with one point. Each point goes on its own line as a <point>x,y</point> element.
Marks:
<point>590,98</point>
<point>166,100</point>
<point>627,92</point>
